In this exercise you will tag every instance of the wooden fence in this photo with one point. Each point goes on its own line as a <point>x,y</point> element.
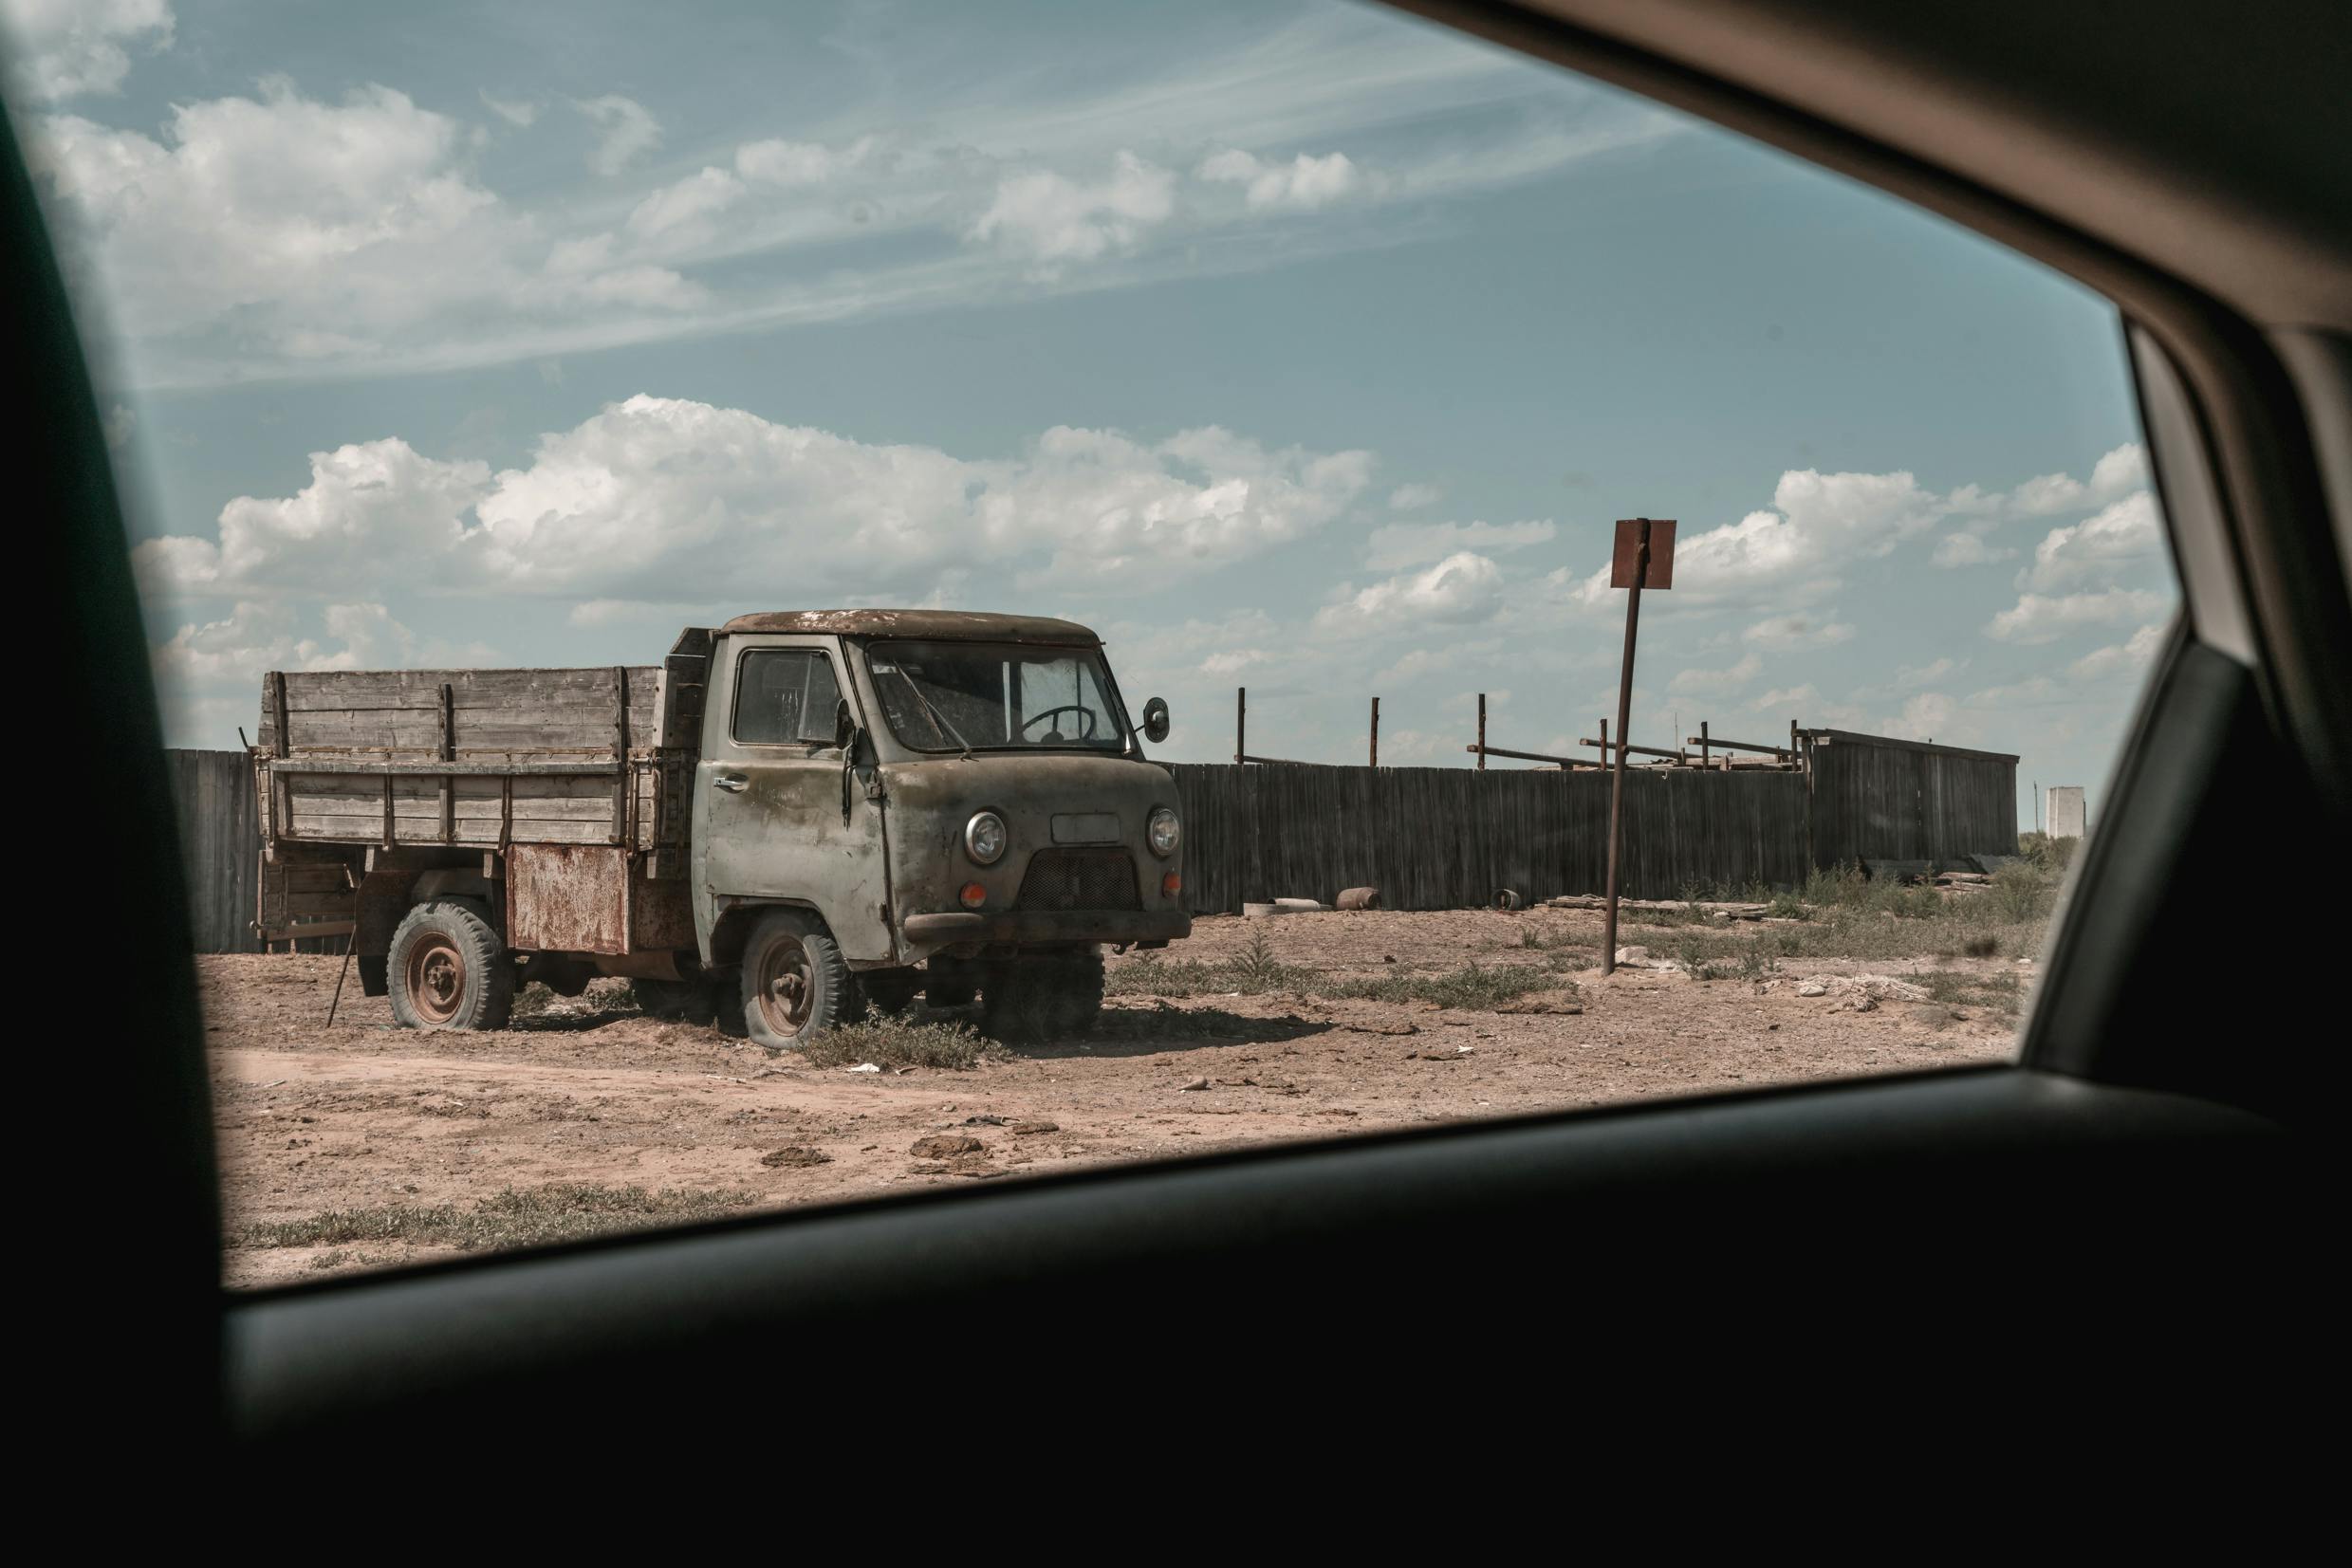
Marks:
<point>1445,837</point>
<point>1880,799</point>
<point>1428,838</point>
<point>219,844</point>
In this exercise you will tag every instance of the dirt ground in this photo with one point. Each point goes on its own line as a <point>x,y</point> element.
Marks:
<point>315,1119</point>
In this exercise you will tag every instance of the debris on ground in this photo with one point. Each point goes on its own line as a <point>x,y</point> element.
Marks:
<point>940,1146</point>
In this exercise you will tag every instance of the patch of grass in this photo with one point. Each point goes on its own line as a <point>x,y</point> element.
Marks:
<point>2024,892</point>
<point>515,1217</point>
<point>2047,854</point>
<point>1257,967</point>
<point>1470,987</point>
<point>890,1040</point>
<point>1254,971</point>
<point>2000,995</point>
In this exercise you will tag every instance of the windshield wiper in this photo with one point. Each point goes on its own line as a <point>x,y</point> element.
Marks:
<point>938,720</point>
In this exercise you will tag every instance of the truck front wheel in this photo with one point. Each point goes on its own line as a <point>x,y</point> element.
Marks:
<point>1044,996</point>
<point>448,970</point>
<point>796,984</point>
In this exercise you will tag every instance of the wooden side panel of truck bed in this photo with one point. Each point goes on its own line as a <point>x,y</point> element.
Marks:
<point>472,758</point>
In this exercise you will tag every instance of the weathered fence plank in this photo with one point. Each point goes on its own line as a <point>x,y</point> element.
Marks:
<point>219,846</point>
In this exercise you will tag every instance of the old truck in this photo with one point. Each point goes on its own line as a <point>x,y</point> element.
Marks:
<point>794,815</point>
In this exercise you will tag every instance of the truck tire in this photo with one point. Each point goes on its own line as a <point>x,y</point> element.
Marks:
<point>448,970</point>
<point>796,985</point>
<point>1075,999</point>
<point>1043,997</point>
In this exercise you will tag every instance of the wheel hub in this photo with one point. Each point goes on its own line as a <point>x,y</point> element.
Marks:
<point>437,980</point>
<point>788,985</point>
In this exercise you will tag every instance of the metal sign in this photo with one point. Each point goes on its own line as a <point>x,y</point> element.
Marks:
<point>1622,565</point>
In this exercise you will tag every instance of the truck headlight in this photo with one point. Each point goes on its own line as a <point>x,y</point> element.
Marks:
<point>1165,832</point>
<point>984,837</point>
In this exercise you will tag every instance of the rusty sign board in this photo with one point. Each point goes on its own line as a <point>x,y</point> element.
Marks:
<point>1622,566</point>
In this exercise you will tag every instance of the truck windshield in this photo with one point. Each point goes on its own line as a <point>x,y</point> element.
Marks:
<point>983,696</point>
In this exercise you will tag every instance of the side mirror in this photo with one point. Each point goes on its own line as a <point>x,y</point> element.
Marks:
<point>1156,720</point>
<point>845,724</point>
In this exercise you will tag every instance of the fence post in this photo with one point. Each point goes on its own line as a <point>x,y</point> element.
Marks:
<point>1481,731</point>
<point>1241,714</point>
<point>1375,761</point>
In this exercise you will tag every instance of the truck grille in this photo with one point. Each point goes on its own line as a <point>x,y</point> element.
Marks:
<point>1079,879</point>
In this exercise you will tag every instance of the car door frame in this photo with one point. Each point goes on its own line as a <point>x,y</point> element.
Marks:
<point>842,871</point>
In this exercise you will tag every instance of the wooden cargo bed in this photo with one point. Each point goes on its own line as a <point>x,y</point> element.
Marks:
<point>476,757</point>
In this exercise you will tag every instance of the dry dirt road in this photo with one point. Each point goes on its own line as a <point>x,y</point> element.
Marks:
<point>364,1114</point>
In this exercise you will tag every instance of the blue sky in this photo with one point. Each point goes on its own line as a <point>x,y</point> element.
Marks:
<point>1305,346</point>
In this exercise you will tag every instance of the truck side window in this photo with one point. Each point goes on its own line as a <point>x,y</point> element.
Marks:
<point>786,697</point>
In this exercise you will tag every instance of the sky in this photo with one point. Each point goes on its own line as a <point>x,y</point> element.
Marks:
<point>1300,346</point>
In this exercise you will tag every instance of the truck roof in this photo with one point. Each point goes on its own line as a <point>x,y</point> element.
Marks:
<point>952,625</point>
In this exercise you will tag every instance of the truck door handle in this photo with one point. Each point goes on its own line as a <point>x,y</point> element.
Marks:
<point>732,783</point>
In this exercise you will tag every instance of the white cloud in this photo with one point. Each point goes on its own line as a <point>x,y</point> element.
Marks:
<point>626,130</point>
<point>256,637</point>
<point>2122,536</point>
<point>64,48</point>
<point>683,212</point>
<point>1305,182</point>
<point>1787,632</point>
<point>1049,218</point>
<point>378,502</point>
<point>1036,177</point>
<point>1967,548</point>
<point>2038,618</point>
<point>1462,587</point>
<point>2115,474</point>
<point>1928,716</point>
<point>518,112</point>
<point>1807,696</point>
<point>2124,658</point>
<point>1717,683</point>
<point>671,500</point>
<point>1818,523</point>
<point>1406,498</point>
<point>788,164</point>
<point>320,231</point>
<point>1399,545</point>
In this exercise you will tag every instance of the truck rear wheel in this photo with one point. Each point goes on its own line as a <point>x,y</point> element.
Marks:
<point>447,968</point>
<point>796,984</point>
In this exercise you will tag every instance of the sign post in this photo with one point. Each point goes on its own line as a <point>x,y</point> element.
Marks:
<point>1644,558</point>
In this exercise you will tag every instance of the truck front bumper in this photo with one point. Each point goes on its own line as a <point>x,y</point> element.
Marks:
<point>987,927</point>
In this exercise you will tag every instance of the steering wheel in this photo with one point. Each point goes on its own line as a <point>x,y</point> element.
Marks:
<point>1084,713</point>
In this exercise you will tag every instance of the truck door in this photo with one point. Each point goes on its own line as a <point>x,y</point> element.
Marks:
<point>772,818</point>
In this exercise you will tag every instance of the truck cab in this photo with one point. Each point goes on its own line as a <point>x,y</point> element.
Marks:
<point>894,801</point>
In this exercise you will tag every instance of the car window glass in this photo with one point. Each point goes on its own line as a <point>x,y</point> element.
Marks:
<point>787,695</point>
<point>468,370</point>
